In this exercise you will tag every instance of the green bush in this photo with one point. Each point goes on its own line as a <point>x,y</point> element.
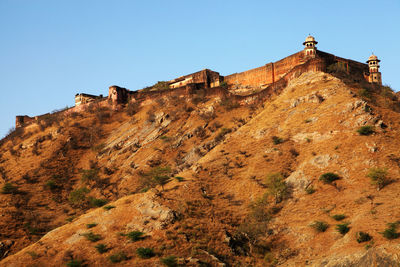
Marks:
<point>108,207</point>
<point>366,130</point>
<point>101,248</point>
<point>338,217</point>
<point>97,202</point>
<point>51,184</point>
<point>343,228</point>
<point>78,196</point>
<point>277,140</point>
<point>89,175</point>
<point>170,261</point>
<point>310,190</point>
<point>179,178</point>
<point>9,188</point>
<point>118,257</point>
<point>329,177</point>
<point>91,225</point>
<point>390,232</point>
<point>75,263</point>
<point>363,237</point>
<point>378,176</point>
<point>319,226</point>
<point>277,187</point>
<point>156,176</point>
<point>135,235</point>
<point>145,253</point>
<point>92,237</point>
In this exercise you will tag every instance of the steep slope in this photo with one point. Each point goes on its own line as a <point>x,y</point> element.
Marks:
<point>223,210</point>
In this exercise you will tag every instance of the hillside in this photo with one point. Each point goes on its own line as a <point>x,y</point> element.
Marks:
<point>244,185</point>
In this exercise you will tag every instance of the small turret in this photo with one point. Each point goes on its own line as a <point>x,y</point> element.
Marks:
<point>374,74</point>
<point>309,46</point>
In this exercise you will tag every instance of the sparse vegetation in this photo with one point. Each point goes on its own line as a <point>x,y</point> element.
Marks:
<point>118,257</point>
<point>135,235</point>
<point>108,207</point>
<point>310,190</point>
<point>277,187</point>
<point>179,178</point>
<point>132,108</point>
<point>277,140</point>
<point>51,184</point>
<point>378,176</point>
<point>90,175</point>
<point>366,130</point>
<point>91,225</point>
<point>101,248</point>
<point>9,188</point>
<point>329,177</point>
<point>391,231</point>
<point>343,228</point>
<point>363,237</point>
<point>97,202</point>
<point>145,253</point>
<point>78,196</point>
<point>319,226</point>
<point>92,237</point>
<point>338,217</point>
<point>75,263</point>
<point>156,176</point>
<point>170,261</point>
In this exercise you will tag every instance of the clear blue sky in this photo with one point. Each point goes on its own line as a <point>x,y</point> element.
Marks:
<point>50,50</point>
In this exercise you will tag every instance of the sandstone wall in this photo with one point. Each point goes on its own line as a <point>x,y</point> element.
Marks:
<point>267,74</point>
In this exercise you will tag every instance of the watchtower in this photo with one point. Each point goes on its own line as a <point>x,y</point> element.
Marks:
<point>374,74</point>
<point>309,46</point>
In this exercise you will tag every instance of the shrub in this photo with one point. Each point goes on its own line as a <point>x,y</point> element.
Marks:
<point>362,237</point>
<point>51,184</point>
<point>390,232</point>
<point>378,176</point>
<point>91,225</point>
<point>108,207</point>
<point>221,134</point>
<point>135,235</point>
<point>310,190</point>
<point>78,196</point>
<point>75,263</point>
<point>89,175</point>
<point>366,130</point>
<point>329,177</point>
<point>92,237</point>
<point>145,253</point>
<point>277,140</point>
<point>161,86</point>
<point>343,228</point>
<point>97,202</point>
<point>156,176</point>
<point>319,226</point>
<point>118,257</point>
<point>101,248</point>
<point>338,217</point>
<point>277,186</point>
<point>179,178</point>
<point>9,188</point>
<point>170,261</point>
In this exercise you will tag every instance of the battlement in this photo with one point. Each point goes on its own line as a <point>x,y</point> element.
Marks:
<point>269,78</point>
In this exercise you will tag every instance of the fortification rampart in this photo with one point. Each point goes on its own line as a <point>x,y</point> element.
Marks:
<point>271,78</point>
<point>267,74</point>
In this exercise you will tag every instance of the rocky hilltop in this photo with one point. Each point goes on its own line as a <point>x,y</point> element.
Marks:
<point>308,177</point>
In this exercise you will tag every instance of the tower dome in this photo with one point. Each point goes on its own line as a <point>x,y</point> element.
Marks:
<point>310,39</point>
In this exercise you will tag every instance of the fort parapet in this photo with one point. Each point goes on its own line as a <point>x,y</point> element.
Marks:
<point>270,78</point>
